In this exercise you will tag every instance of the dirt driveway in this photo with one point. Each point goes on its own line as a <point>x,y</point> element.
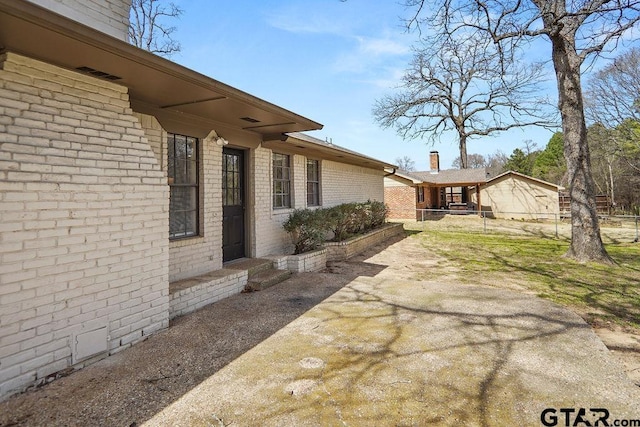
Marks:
<point>379,340</point>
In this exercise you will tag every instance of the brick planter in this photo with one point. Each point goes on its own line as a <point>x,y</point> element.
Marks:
<point>339,251</point>
<point>307,262</point>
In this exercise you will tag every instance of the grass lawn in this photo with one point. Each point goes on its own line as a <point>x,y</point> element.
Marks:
<point>600,293</point>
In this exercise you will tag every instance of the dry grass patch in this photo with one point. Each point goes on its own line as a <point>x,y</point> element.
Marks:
<point>601,294</point>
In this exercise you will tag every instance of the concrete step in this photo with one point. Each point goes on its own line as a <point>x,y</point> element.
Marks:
<point>252,265</point>
<point>266,278</point>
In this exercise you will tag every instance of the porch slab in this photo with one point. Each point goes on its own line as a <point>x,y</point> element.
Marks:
<point>251,265</point>
<point>266,279</point>
<point>188,295</point>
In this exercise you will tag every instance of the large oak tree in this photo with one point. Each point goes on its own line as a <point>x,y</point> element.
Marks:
<point>457,85</point>
<point>576,30</point>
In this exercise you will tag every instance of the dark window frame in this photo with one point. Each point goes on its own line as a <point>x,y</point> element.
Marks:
<point>232,188</point>
<point>420,194</point>
<point>313,183</point>
<point>183,160</point>
<point>281,181</point>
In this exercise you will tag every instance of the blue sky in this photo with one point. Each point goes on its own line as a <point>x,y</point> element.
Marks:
<point>324,59</point>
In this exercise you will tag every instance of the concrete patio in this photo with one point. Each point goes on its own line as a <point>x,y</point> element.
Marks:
<point>371,341</point>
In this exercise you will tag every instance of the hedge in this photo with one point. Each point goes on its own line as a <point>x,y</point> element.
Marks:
<point>309,228</point>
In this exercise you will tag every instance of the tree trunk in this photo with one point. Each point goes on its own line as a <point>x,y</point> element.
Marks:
<point>586,243</point>
<point>464,162</point>
<point>611,192</point>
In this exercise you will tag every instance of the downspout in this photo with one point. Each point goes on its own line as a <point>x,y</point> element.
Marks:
<point>391,173</point>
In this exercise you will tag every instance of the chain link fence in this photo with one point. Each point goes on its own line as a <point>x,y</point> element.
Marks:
<point>614,228</point>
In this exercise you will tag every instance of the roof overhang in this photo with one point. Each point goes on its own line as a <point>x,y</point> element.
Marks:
<point>405,179</point>
<point>455,184</point>
<point>540,182</point>
<point>314,148</point>
<point>35,32</point>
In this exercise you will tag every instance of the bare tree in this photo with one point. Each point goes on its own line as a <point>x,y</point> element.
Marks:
<point>148,28</point>
<point>616,163</point>
<point>496,162</point>
<point>576,30</point>
<point>458,85</point>
<point>613,93</point>
<point>613,101</point>
<point>405,163</point>
<point>474,161</point>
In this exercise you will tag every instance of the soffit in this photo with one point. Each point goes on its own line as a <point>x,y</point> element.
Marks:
<point>33,31</point>
<point>314,148</point>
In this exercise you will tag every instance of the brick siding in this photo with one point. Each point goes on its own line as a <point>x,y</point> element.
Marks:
<point>401,201</point>
<point>343,183</point>
<point>108,16</point>
<point>83,221</point>
<point>339,183</point>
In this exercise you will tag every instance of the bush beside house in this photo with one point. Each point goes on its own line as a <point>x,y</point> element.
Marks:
<point>309,228</point>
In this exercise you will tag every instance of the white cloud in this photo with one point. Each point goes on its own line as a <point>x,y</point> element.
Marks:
<point>296,18</point>
<point>382,46</point>
<point>371,54</point>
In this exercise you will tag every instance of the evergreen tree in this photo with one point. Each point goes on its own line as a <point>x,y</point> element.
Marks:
<point>550,164</point>
<point>519,162</point>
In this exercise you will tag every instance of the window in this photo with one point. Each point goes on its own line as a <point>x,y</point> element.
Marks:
<point>420,194</point>
<point>232,177</point>
<point>281,181</point>
<point>313,182</point>
<point>183,184</point>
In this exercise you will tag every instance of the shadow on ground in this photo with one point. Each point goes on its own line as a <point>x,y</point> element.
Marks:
<point>130,387</point>
<point>385,350</point>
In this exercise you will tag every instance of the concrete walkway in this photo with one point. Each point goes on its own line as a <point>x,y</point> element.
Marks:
<point>390,347</point>
<point>384,351</point>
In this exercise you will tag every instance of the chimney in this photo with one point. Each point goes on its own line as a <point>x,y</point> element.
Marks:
<point>434,160</point>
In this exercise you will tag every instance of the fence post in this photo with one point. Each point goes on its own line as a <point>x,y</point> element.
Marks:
<point>422,213</point>
<point>637,236</point>
<point>556,217</point>
<point>484,221</point>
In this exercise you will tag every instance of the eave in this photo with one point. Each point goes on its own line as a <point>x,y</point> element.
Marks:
<point>35,32</point>
<point>314,148</point>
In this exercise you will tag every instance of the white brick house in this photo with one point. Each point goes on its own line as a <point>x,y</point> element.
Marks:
<point>123,174</point>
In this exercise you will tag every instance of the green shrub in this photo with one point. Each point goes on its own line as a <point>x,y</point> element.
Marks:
<point>307,229</point>
<point>359,218</point>
<point>340,221</point>
<point>379,212</point>
<point>349,219</point>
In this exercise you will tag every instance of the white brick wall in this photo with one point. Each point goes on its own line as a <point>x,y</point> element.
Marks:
<point>268,223</point>
<point>192,294</point>
<point>198,255</point>
<point>108,16</point>
<point>83,220</point>
<point>342,183</point>
<point>339,182</point>
<point>193,256</point>
<point>156,136</point>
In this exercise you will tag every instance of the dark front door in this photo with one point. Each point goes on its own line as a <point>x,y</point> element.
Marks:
<point>232,204</point>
